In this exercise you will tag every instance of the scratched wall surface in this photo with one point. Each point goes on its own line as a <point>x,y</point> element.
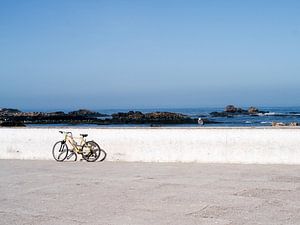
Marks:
<point>204,145</point>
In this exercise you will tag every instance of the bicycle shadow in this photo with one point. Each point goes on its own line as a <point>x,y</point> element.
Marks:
<point>103,155</point>
<point>73,157</point>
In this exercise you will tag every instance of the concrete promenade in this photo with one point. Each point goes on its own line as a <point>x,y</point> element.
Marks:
<point>122,193</point>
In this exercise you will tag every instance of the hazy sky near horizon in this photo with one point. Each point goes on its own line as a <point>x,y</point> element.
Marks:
<point>66,54</point>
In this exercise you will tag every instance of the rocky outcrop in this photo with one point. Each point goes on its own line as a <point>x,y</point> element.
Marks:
<point>131,115</point>
<point>280,124</point>
<point>253,110</point>
<point>8,111</point>
<point>83,116</point>
<point>12,123</point>
<point>13,117</point>
<point>136,117</point>
<point>86,113</point>
<point>58,113</point>
<point>231,111</point>
<point>165,116</point>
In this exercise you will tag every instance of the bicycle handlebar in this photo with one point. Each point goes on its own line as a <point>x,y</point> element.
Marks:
<point>66,132</point>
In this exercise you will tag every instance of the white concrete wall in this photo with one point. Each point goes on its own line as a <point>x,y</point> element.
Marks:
<point>207,145</point>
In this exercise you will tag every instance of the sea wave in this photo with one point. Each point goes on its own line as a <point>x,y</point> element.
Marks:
<point>270,114</point>
<point>265,122</point>
<point>294,114</point>
<point>277,114</point>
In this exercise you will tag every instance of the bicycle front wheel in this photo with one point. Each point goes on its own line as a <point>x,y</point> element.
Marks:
<point>60,151</point>
<point>91,151</point>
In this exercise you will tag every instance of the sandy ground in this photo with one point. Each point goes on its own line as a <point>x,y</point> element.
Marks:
<point>47,192</point>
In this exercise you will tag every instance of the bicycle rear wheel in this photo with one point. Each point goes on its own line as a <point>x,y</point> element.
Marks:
<point>91,151</point>
<point>60,151</point>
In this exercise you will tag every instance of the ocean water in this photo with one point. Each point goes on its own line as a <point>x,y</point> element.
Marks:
<point>275,114</point>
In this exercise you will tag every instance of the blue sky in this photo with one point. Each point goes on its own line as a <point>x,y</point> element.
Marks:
<point>141,54</point>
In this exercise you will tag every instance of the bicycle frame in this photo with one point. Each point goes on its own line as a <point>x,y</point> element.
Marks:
<point>70,141</point>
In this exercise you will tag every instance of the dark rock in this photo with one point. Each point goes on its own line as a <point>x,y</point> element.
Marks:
<point>155,125</point>
<point>230,109</point>
<point>129,117</point>
<point>136,117</point>
<point>8,111</point>
<point>207,121</point>
<point>86,113</point>
<point>168,118</point>
<point>241,111</point>
<point>11,124</point>
<point>58,113</point>
<point>221,114</point>
<point>83,116</point>
<point>253,110</point>
<point>165,116</point>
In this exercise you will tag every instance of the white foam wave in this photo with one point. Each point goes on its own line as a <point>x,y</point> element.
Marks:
<point>271,114</point>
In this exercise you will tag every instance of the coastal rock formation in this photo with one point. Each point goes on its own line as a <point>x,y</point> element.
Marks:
<point>136,117</point>
<point>155,118</point>
<point>13,117</point>
<point>9,118</point>
<point>280,124</point>
<point>131,115</point>
<point>86,113</point>
<point>8,111</point>
<point>58,113</point>
<point>231,111</point>
<point>253,110</point>
<point>81,116</point>
<point>167,116</point>
<point>10,123</point>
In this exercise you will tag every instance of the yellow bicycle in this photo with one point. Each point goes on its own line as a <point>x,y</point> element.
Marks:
<point>89,150</point>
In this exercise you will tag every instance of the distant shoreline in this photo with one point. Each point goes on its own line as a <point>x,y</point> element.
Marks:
<point>230,116</point>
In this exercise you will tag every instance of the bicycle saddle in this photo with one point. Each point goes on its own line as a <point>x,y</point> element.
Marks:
<point>84,135</point>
